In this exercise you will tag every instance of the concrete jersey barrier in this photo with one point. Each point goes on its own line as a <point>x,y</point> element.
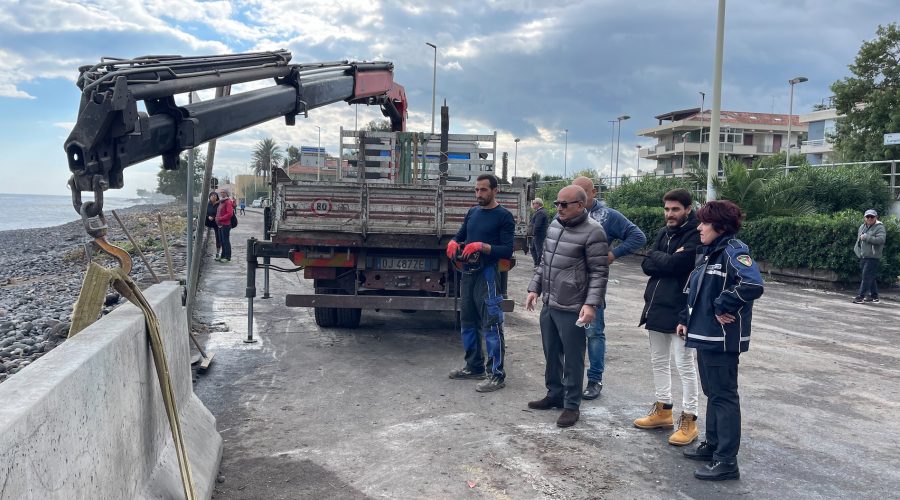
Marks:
<point>87,420</point>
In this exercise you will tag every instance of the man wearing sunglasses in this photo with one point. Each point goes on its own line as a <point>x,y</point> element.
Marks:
<point>571,278</point>
<point>617,227</point>
<point>869,245</point>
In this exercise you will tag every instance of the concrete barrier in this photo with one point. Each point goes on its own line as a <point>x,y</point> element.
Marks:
<point>87,419</point>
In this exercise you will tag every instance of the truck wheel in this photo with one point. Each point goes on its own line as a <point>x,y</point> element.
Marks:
<point>326,317</point>
<point>348,318</point>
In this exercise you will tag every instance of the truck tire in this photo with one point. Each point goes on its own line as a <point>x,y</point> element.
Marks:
<point>326,317</point>
<point>348,318</point>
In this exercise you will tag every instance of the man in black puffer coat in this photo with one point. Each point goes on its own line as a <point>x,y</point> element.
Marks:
<point>669,264</point>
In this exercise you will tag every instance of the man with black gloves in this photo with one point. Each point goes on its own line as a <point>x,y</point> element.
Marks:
<point>669,263</point>
<point>487,234</point>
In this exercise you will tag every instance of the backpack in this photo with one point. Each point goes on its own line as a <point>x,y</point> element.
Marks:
<point>233,220</point>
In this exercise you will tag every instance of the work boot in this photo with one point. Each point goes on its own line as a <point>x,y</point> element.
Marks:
<point>687,430</point>
<point>490,384</point>
<point>568,418</point>
<point>658,418</point>
<point>545,404</point>
<point>702,453</point>
<point>718,470</point>
<point>593,389</point>
<point>465,373</point>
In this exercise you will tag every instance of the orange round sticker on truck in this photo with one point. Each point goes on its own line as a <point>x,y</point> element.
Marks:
<point>321,206</point>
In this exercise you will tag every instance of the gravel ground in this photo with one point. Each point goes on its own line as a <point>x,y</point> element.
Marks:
<point>41,271</point>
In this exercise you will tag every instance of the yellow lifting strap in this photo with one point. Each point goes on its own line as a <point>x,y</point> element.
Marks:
<point>87,309</point>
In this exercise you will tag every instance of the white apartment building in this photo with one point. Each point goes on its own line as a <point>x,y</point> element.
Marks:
<point>682,137</point>
<point>821,124</point>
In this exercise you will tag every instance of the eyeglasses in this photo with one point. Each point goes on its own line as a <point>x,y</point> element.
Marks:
<point>870,217</point>
<point>564,204</point>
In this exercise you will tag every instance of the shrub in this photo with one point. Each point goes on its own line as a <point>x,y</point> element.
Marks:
<point>831,190</point>
<point>645,192</point>
<point>649,219</point>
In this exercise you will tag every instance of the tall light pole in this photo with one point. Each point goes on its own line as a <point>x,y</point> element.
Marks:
<point>516,160</point>
<point>638,169</point>
<point>612,146</point>
<point>318,157</point>
<point>684,137</point>
<point>700,149</point>
<point>566,156</point>
<point>713,169</point>
<point>787,154</point>
<point>433,83</point>
<point>618,139</point>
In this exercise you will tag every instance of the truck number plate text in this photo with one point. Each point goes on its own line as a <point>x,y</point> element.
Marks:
<point>402,264</point>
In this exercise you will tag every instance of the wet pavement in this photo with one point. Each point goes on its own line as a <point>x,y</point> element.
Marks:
<point>310,413</point>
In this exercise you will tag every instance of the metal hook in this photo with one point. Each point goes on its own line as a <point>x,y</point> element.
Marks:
<point>115,252</point>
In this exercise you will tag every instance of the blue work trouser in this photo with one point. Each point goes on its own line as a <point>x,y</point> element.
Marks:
<point>563,343</point>
<point>596,347</point>
<point>719,378</point>
<point>481,319</point>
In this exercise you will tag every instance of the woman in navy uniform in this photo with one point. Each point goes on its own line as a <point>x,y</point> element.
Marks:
<point>716,322</point>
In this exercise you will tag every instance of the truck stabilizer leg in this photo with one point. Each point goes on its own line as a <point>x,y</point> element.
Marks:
<point>251,287</point>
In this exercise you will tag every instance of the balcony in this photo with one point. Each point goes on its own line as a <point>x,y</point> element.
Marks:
<point>816,146</point>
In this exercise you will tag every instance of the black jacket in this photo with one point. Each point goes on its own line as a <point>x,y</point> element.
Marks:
<point>664,296</point>
<point>539,223</point>
<point>210,212</point>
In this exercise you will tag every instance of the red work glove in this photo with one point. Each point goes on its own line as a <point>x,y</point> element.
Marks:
<point>452,248</point>
<point>472,248</point>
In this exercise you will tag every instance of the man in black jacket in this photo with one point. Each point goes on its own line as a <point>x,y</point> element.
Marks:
<point>669,264</point>
<point>539,223</point>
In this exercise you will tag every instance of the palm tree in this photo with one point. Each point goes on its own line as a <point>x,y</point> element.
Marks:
<point>265,154</point>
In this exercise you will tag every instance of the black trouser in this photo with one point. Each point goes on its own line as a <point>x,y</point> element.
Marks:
<point>225,234</point>
<point>215,231</point>
<point>537,247</point>
<point>481,319</point>
<point>869,283</point>
<point>719,379</point>
<point>564,345</point>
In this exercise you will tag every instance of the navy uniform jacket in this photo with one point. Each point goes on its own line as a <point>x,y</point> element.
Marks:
<point>726,280</point>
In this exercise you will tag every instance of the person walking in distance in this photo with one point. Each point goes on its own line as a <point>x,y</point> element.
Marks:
<point>716,321</point>
<point>224,213</point>
<point>668,264</point>
<point>210,222</point>
<point>243,204</point>
<point>571,278</point>
<point>539,223</point>
<point>486,235</point>
<point>617,227</point>
<point>870,238</point>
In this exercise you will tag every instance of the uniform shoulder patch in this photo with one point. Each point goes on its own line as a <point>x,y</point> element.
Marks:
<point>744,259</point>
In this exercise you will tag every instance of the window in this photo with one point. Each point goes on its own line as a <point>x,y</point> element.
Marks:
<point>727,136</point>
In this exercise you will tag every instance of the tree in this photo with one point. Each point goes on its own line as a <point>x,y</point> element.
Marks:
<point>174,182</point>
<point>869,99</point>
<point>265,154</point>
<point>777,160</point>
<point>293,155</point>
<point>379,126</point>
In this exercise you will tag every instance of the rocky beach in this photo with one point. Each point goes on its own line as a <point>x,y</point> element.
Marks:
<point>41,272</point>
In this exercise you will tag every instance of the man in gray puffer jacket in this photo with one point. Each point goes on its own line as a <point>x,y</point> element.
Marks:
<point>572,279</point>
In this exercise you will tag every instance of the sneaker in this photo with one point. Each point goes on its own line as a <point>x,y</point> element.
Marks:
<point>702,453</point>
<point>872,300</point>
<point>593,390</point>
<point>465,373</point>
<point>225,261</point>
<point>718,471</point>
<point>858,300</point>
<point>490,384</point>
<point>568,418</point>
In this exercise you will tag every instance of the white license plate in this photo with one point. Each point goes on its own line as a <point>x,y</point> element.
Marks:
<point>402,264</point>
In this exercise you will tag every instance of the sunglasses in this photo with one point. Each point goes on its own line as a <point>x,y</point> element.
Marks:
<point>870,217</point>
<point>564,204</point>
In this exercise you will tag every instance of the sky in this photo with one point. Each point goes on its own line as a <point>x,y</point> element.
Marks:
<point>522,68</point>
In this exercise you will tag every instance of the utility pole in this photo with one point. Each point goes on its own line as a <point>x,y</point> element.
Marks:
<point>516,160</point>
<point>713,169</point>
<point>433,83</point>
<point>618,143</point>
<point>566,157</point>
<point>700,150</point>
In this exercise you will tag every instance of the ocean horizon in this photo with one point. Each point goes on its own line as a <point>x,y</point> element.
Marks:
<point>28,211</point>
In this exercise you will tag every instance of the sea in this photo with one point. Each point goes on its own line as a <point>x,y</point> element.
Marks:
<point>24,211</point>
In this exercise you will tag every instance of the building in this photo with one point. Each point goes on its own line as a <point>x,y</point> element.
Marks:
<point>818,146</point>
<point>682,137</point>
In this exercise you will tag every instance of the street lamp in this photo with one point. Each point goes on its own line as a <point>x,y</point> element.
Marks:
<point>516,160</point>
<point>684,137</point>
<point>638,169</point>
<point>318,153</point>
<point>787,154</point>
<point>618,139</point>
<point>612,145</point>
<point>433,83</point>
<point>566,156</point>
<point>700,149</point>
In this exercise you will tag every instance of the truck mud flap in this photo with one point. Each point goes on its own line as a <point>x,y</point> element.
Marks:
<point>381,302</point>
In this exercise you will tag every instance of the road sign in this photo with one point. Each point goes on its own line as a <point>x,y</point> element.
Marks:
<point>891,139</point>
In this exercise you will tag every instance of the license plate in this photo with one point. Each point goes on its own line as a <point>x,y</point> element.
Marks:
<point>403,264</point>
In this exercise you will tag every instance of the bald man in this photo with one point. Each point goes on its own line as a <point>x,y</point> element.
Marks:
<point>617,227</point>
<point>571,278</point>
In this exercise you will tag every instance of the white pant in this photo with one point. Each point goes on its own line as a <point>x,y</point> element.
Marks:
<point>662,347</point>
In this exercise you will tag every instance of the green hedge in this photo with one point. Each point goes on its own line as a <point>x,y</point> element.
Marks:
<point>649,219</point>
<point>644,192</point>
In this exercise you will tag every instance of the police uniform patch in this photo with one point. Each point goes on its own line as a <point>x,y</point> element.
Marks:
<point>744,259</point>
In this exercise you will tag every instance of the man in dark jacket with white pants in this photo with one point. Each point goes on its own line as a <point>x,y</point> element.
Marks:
<point>572,279</point>
<point>669,263</point>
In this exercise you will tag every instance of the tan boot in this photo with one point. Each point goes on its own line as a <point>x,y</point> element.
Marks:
<point>658,418</point>
<point>687,430</point>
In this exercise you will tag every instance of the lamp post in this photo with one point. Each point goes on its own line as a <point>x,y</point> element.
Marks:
<point>684,137</point>
<point>618,142</point>
<point>787,154</point>
<point>566,156</point>
<point>318,155</point>
<point>516,159</point>
<point>433,83</point>
<point>713,168</point>
<point>612,146</point>
<point>700,149</point>
<point>638,168</point>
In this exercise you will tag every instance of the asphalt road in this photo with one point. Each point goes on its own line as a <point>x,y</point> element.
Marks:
<point>311,413</point>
